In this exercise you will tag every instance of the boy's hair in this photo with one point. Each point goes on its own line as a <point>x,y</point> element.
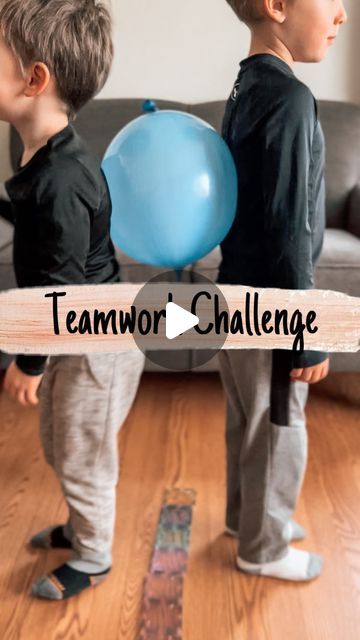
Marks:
<point>248,11</point>
<point>72,37</point>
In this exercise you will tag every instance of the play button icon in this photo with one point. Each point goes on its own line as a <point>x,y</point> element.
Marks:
<point>178,320</point>
<point>165,310</point>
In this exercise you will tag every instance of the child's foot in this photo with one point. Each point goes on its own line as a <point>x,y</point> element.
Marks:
<point>296,565</point>
<point>65,582</point>
<point>50,538</point>
<point>294,532</point>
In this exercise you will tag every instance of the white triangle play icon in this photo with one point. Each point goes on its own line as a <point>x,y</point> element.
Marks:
<point>178,320</point>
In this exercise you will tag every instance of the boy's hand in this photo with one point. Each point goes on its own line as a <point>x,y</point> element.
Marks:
<point>20,386</point>
<point>311,374</point>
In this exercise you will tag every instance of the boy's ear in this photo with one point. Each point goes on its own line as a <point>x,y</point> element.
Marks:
<point>276,9</point>
<point>37,79</point>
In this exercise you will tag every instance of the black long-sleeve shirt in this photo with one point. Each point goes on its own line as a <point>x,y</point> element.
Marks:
<point>62,210</point>
<point>276,139</point>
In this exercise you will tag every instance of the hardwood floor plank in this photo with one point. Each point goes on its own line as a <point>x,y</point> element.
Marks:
<point>175,436</point>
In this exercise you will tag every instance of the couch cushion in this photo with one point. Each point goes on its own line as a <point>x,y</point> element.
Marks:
<point>6,233</point>
<point>339,264</point>
<point>341,250</point>
<point>341,125</point>
<point>353,221</point>
<point>7,275</point>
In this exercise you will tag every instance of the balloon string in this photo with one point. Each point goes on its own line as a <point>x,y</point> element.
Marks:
<point>178,273</point>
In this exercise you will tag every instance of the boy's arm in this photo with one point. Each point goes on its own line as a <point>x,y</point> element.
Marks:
<point>286,159</point>
<point>62,220</point>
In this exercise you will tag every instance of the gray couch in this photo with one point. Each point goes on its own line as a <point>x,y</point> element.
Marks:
<point>339,267</point>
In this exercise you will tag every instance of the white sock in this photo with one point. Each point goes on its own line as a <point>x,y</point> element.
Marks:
<point>296,565</point>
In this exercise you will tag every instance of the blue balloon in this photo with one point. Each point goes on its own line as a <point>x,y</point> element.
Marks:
<point>173,187</point>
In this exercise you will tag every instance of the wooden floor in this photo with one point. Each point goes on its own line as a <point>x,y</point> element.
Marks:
<point>174,436</point>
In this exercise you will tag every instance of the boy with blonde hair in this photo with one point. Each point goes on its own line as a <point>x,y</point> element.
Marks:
<point>55,55</point>
<point>272,128</point>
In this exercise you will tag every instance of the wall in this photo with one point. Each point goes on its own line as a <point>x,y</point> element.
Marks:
<point>189,50</point>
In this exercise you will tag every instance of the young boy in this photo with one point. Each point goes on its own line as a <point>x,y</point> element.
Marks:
<point>272,128</point>
<point>54,57</point>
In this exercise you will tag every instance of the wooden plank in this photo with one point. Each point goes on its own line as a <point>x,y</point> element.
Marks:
<point>175,436</point>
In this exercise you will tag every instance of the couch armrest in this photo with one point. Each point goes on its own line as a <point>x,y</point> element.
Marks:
<point>353,220</point>
<point>5,205</point>
<point>6,211</point>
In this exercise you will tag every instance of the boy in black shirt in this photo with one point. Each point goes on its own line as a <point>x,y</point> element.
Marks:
<point>55,56</point>
<point>273,131</point>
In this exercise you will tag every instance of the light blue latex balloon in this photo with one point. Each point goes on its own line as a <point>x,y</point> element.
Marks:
<point>173,187</point>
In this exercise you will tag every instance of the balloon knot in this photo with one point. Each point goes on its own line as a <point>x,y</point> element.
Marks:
<point>150,106</point>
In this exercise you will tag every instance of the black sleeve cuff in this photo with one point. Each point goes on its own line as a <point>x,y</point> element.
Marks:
<point>304,359</point>
<point>31,365</point>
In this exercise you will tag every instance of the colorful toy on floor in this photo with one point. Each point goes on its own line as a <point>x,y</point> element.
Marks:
<point>161,616</point>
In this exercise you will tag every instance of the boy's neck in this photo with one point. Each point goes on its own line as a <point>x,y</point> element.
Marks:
<point>266,43</point>
<point>35,134</point>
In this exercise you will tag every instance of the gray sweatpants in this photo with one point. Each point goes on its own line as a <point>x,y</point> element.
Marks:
<point>83,402</point>
<point>266,441</point>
